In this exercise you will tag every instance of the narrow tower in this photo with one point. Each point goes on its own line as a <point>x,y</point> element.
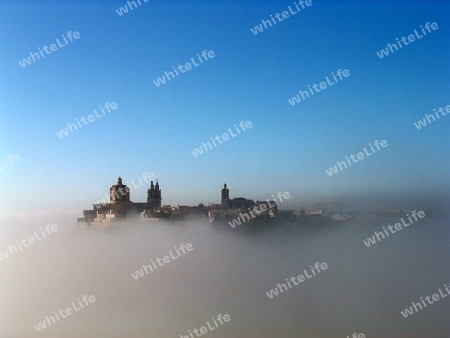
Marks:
<point>225,200</point>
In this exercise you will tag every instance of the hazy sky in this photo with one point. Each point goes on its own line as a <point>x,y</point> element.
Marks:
<point>117,58</point>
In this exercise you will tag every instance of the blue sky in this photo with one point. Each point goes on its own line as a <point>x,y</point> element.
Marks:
<point>251,78</point>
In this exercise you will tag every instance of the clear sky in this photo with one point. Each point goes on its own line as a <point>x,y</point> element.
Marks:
<point>154,129</point>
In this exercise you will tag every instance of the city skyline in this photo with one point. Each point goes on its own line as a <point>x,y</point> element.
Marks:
<point>335,203</point>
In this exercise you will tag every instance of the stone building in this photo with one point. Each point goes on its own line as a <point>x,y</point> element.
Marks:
<point>119,196</point>
<point>120,206</point>
<point>235,203</point>
<point>225,198</point>
<point>154,197</point>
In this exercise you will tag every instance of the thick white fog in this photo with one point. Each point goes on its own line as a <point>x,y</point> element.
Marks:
<point>227,271</point>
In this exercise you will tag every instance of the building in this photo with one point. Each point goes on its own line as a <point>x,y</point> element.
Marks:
<point>238,203</point>
<point>266,208</point>
<point>225,197</point>
<point>120,206</point>
<point>119,196</point>
<point>234,208</point>
<point>241,203</point>
<point>154,197</point>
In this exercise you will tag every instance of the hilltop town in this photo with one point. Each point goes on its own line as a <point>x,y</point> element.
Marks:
<point>238,211</point>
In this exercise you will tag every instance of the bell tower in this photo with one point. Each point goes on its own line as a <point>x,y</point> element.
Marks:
<point>225,198</point>
<point>154,196</point>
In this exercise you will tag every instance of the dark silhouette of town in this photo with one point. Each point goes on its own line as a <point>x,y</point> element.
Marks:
<point>236,211</point>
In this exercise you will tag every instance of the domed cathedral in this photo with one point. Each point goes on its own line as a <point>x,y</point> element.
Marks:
<point>121,207</point>
<point>154,197</point>
<point>119,195</point>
